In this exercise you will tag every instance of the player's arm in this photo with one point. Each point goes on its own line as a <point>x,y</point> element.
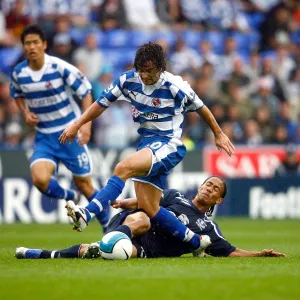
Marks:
<point>264,253</point>
<point>129,203</point>
<point>109,95</point>
<point>30,118</point>
<point>221,139</point>
<point>85,130</point>
<point>70,133</point>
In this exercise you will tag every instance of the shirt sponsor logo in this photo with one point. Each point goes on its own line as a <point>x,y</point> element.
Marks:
<point>201,224</point>
<point>184,219</point>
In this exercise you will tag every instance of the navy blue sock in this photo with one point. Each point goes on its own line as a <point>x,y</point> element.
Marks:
<point>72,252</point>
<point>103,216</point>
<point>169,222</point>
<point>125,229</point>
<point>106,196</point>
<point>55,191</point>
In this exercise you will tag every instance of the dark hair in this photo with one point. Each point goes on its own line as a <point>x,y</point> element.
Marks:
<point>210,211</point>
<point>33,29</point>
<point>150,52</point>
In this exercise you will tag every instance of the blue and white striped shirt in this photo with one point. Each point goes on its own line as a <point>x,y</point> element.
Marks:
<point>50,92</point>
<point>159,108</point>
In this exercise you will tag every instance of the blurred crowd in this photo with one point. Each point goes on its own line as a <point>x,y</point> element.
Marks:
<point>240,56</point>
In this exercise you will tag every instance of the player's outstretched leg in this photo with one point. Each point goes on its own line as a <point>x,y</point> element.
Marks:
<point>26,253</point>
<point>82,215</point>
<point>55,191</point>
<point>103,216</point>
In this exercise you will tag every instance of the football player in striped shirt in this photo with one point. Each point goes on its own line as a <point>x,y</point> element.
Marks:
<point>159,101</point>
<point>45,88</point>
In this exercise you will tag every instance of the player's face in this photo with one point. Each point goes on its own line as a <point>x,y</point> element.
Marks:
<point>149,73</point>
<point>210,192</point>
<point>34,47</point>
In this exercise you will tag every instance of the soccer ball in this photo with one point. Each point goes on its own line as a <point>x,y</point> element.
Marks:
<point>116,245</point>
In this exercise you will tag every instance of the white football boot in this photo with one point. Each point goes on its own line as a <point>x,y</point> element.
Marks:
<point>22,252</point>
<point>93,251</point>
<point>78,215</point>
<point>204,243</point>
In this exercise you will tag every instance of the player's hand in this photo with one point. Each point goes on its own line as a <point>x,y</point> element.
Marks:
<point>69,134</point>
<point>84,134</point>
<point>31,119</point>
<point>117,204</point>
<point>271,253</point>
<point>223,143</point>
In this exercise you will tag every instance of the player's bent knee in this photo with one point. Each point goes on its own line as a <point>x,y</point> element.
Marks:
<point>123,170</point>
<point>41,182</point>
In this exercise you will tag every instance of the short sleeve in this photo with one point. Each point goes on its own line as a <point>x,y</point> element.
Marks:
<point>76,80</point>
<point>111,93</point>
<point>15,90</point>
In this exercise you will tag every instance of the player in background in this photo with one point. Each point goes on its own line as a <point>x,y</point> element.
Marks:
<point>159,101</point>
<point>45,88</point>
<point>155,242</point>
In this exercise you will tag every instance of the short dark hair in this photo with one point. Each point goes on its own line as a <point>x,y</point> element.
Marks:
<point>151,52</point>
<point>211,209</point>
<point>33,29</point>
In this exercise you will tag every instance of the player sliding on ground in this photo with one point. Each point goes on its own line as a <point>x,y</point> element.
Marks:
<point>159,101</point>
<point>149,240</point>
<point>45,88</point>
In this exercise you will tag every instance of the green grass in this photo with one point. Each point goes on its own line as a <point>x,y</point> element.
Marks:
<point>181,278</point>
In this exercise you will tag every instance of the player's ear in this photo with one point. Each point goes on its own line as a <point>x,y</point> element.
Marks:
<point>219,201</point>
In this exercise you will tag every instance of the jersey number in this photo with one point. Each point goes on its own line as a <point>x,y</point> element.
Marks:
<point>83,159</point>
<point>156,145</point>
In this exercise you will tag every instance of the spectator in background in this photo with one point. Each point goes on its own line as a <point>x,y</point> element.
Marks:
<point>207,55</point>
<point>184,58</point>
<point>267,72</point>
<point>280,135</point>
<point>252,134</point>
<point>264,96</point>
<point>102,82</point>
<point>142,15</point>
<point>88,58</point>
<point>253,70</point>
<point>13,135</point>
<point>265,122</point>
<point>293,93</point>
<point>17,20</point>
<point>285,119</point>
<point>284,63</point>
<point>62,24</point>
<point>112,15</point>
<point>234,95</point>
<point>225,67</point>
<point>290,164</point>
<point>62,47</point>
<point>277,24</point>
<point>226,15</point>
<point>234,117</point>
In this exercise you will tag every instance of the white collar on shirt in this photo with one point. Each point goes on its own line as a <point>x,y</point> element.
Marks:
<point>149,89</point>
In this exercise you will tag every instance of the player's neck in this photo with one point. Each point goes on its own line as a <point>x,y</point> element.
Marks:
<point>201,207</point>
<point>37,64</point>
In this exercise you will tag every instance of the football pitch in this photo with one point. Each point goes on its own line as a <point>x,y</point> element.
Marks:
<point>173,278</point>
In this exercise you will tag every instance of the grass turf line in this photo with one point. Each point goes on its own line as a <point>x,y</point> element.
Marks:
<point>173,278</point>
